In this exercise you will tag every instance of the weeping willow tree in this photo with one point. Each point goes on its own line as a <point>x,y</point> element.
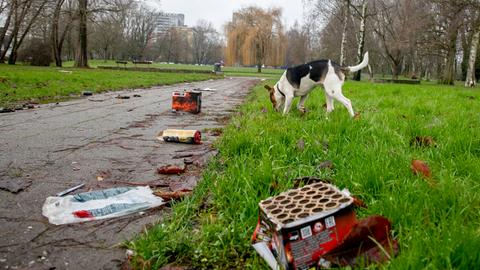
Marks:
<point>255,37</point>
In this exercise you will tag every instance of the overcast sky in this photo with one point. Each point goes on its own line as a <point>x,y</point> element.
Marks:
<point>220,11</point>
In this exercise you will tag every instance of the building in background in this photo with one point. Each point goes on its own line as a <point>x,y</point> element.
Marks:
<point>165,21</point>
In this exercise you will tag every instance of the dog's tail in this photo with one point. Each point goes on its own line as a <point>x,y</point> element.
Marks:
<point>358,67</point>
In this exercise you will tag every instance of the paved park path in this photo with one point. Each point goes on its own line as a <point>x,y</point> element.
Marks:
<point>104,142</point>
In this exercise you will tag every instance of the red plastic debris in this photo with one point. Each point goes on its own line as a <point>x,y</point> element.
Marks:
<point>171,169</point>
<point>369,241</point>
<point>83,214</point>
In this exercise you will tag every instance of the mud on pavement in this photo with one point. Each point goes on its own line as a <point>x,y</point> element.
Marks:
<point>102,141</point>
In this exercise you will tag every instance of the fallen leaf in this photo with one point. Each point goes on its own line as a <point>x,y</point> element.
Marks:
<point>419,167</point>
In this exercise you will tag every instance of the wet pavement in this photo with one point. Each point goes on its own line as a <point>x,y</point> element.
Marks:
<point>102,141</point>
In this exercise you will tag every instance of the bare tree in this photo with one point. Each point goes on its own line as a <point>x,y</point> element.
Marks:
<point>255,35</point>
<point>449,20</point>
<point>297,45</point>
<point>205,39</point>
<point>394,29</point>
<point>60,32</point>
<point>24,14</point>
<point>139,27</point>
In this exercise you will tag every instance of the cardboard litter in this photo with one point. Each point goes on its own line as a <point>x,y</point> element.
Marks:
<point>187,101</point>
<point>298,228</point>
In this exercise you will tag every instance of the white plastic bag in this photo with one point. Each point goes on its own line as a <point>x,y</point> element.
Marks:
<point>100,204</point>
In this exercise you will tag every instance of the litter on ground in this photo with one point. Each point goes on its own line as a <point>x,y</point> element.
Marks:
<point>316,226</point>
<point>102,204</point>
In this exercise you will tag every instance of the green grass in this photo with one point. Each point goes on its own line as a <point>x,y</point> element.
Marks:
<point>438,227</point>
<point>46,84</point>
<point>229,71</point>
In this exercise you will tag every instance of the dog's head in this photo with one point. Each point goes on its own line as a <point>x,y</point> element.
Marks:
<point>271,91</point>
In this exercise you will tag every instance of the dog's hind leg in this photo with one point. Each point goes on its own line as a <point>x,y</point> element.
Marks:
<point>300,105</point>
<point>345,101</point>
<point>329,100</point>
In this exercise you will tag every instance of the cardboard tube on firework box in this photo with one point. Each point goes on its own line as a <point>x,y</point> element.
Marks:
<point>181,136</point>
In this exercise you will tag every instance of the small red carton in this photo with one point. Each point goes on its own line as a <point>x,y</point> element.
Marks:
<point>187,101</point>
<point>296,228</point>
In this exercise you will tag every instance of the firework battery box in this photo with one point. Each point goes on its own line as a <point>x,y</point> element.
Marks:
<point>187,101</point>
<point>298,226</point>
<point>181,136</point>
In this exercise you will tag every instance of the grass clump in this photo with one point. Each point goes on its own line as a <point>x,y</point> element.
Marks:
<point>437,225</point>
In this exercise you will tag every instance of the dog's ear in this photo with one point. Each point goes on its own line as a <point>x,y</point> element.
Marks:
<point>269,88</point>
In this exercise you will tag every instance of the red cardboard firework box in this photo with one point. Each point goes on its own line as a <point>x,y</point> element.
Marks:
<point>187,101</point>
<point>297,227</point>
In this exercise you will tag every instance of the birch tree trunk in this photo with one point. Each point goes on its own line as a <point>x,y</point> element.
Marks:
<point>361,40</point>
<point>4,32</point>
<point>346,15</point>
<point>470,80</point>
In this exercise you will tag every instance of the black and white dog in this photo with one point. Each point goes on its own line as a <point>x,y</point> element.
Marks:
<point>300,80</point>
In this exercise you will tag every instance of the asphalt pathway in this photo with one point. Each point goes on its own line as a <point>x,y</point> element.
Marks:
<point>102,141</point>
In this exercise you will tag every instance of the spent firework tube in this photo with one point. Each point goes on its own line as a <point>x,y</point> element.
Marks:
<point>181,136</point>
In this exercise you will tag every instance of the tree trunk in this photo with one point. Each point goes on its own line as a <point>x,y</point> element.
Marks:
<point>259,58</point>
<point>3,34</point>
<point>12,59</point>
<point>361,41</point>
<point>370,72</point>
<point>346,15</point>
<point>56,44</point>
<point>82,56</point>
<point>448,76</point>
<point>470,80</point>
<point>396,69</point>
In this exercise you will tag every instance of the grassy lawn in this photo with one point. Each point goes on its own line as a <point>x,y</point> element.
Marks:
<point>229,71</point>
<point>438,226</point>
<point>46,84</point>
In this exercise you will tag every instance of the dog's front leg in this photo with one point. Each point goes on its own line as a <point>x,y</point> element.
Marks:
<point>288,103</point>
<point>300,105</point>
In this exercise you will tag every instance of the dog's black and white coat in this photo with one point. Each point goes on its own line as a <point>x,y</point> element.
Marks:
<point>300,80</point>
